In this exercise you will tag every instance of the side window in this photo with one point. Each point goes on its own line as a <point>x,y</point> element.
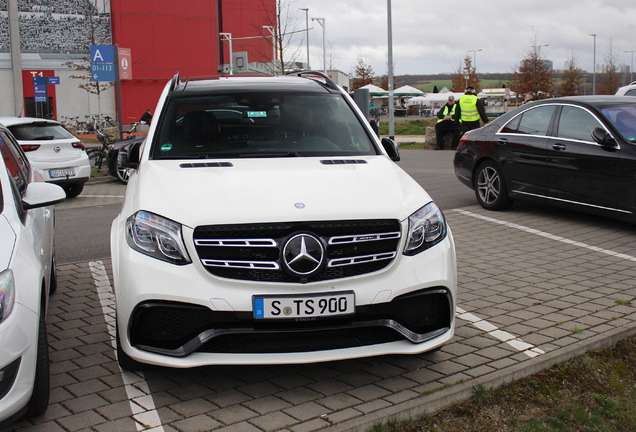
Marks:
<point>631,93</point>
<point>577,123</point>
<point>15,161</point>
<point>535,121</point>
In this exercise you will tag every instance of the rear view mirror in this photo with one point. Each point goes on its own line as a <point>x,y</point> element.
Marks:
<point>601,136</point>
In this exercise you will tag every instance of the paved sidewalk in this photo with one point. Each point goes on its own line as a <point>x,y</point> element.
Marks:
<point>536,286</point>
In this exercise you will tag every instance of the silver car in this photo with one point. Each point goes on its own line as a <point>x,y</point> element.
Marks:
<point>58,154</point>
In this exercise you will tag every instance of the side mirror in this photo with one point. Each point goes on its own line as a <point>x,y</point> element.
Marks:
<point>40,194</point>
<point>601,136</point>
<point>391,149</point>
<point>130,157</point>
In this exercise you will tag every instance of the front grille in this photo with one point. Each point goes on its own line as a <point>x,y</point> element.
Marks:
<point>178,329</point>
<point>254,251</point>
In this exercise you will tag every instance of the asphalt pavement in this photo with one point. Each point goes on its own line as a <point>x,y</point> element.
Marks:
<point>536,286</point>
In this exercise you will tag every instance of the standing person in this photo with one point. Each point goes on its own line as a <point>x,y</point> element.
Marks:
<point>448,121</point>
<point>146,117</point>
<point>472,110</point>
<point>528,98</point>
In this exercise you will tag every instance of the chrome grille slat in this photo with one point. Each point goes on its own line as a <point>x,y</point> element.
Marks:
<point>236,242</point>
<point>364,238</point>
<point>260,265</point>
<point>360,259</point>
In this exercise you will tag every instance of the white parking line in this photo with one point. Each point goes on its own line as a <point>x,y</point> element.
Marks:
<point>548,235</point>
<point>141,402</point>
<point>528,349</point>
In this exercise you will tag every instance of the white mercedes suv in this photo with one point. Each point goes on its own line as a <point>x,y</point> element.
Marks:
<point>265,223</point>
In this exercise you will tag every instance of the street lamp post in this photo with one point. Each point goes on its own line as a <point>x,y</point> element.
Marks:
<point>537,48</point>
<point>228,37</point>
<point>272,30</point>
<point>594,67</point>
<point>307,32</point>
<point>390,47</point>
<point>631,68</point>
<point>475,57</point>
<point>321,21</point>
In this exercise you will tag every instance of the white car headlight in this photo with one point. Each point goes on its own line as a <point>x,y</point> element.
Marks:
<point>7,294</point>
<point>157,237</point>
<point>427,227</point>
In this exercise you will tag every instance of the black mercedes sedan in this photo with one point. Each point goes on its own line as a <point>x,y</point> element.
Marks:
<point>576,152</point>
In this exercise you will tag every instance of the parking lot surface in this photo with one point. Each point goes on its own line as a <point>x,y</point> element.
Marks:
<point>536,286</point>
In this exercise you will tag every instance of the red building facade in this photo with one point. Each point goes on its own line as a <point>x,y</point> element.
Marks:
<point>170,36</point>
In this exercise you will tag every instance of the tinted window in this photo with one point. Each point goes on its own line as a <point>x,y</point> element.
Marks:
<point>15,161</point>
<point>631,93</point>
<point>577,123</point>
<point>624,119</point>
<point>260,124</point>
<point>39,131</point>
<point>535,121</point>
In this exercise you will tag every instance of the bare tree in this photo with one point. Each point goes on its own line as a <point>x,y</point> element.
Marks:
<point>572,76</point>
<point>610,81</point>
<point>279,30</point>
<point>362,74</point>
<point>534,74</point>
<point>333,61</point>
<point>466,76</point>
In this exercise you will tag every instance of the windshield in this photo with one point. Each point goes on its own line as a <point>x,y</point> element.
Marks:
<point>39,131</point>
<point>624,119</point>
<point>263,124</point>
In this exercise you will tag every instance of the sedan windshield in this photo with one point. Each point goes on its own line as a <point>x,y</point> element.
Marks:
<point>260,124</point>
<point>624,119</point>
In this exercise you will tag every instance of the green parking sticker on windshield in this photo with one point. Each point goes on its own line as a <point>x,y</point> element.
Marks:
<point>166,147</point>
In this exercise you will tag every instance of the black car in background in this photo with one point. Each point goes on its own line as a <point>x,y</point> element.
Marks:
<point>576,152</point>
<point>115,151</point>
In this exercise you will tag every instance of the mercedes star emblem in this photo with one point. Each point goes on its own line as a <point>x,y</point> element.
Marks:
<point>303,254</point>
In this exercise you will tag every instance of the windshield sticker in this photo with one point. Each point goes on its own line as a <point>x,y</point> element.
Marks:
<point>166,147</point>
<point>257,113</point>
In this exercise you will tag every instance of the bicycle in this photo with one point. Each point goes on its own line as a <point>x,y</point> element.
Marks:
<point>98,156</point>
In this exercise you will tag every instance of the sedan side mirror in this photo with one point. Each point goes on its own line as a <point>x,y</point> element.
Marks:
<point>130,157</point>
<point>391,149</point>
<point>601,136</point>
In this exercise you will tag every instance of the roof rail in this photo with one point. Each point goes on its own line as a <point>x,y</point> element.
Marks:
<point>330,83</point>
<point>175,81</point>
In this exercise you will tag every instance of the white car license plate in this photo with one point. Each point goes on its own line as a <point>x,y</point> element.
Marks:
<point>304,306</point>
<point>62,172</point>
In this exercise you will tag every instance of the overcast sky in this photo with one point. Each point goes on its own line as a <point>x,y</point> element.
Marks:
<point>432,37</point>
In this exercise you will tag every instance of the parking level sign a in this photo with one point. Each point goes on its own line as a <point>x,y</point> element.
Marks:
<point>102,54</point>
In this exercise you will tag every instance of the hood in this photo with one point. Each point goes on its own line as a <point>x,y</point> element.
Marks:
<point>276,189</point>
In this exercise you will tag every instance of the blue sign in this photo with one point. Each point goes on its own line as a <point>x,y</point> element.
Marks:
<point>40,88</point>
<point>102,54</point>
<point>40,98</point>
<point>53,80</point>
<point>103,72</point>
<point>39,80</point>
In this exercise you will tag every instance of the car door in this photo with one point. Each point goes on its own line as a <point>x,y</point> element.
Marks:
<point>579,170</point>
<point>521,149</point>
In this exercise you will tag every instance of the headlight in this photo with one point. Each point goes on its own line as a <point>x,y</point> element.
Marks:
<point>157,237</point>
<point>427,227</point>
<point>7,294</point>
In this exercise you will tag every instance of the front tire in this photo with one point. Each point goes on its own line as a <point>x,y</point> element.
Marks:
<point>490,187</point>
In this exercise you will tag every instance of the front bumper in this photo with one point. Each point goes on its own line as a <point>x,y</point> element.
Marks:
<point>182,316</point>
<point>18,345</point>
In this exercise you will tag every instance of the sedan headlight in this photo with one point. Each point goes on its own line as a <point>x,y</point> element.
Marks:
<point>7,294</point>
<point>427,227</point>
<point>157,237</point>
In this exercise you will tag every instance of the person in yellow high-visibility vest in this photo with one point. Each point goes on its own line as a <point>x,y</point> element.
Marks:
<point>448,121</point>
<point>472,110</point>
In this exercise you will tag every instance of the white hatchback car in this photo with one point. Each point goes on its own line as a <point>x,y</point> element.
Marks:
<point>628,90</point>
<point>267,223</point>
<point>52,149</point>
<point>27,276</point>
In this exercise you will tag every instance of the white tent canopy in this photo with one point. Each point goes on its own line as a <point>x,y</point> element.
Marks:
<point>374,90</point>
<point>407,90</point>
<point>433,98</point>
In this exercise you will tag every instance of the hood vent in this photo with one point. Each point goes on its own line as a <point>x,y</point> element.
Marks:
<point>205,164</point>
<point>343,161</point>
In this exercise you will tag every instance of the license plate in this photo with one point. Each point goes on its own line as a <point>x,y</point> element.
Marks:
<point>304,306</point>
<point>62,172</point>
